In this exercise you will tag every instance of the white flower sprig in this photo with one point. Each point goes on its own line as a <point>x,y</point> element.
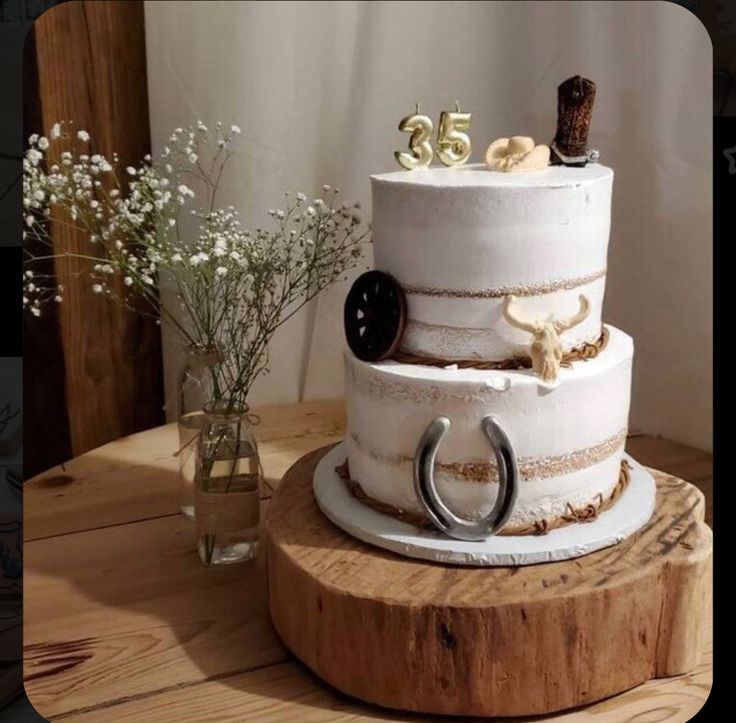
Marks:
<point>234,287</point>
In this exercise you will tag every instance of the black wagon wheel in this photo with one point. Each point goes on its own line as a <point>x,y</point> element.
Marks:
<point>375,316</point>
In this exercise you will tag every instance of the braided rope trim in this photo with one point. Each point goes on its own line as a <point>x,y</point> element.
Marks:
<point>585,513</point>
<point>589,350</point>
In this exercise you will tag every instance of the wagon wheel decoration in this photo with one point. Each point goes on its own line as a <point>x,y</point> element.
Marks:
<point>375,316</point>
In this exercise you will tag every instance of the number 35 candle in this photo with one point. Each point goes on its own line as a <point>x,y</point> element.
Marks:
<point>453,145</point>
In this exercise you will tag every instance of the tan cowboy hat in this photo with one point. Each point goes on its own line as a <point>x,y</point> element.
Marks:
<point>517,153</point>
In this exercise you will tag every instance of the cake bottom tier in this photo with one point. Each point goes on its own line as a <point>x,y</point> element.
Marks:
<point>568,439</point>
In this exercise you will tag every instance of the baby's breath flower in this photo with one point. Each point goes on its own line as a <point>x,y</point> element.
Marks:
<point>135,240</point>
<point>83,135</point>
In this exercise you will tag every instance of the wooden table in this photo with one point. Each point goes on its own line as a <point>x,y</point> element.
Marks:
<point>123,623</point>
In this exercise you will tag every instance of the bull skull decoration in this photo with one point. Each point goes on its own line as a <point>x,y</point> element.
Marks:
<point>546,348</point>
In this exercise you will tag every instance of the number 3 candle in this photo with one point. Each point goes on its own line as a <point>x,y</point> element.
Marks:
<point>420,149</point>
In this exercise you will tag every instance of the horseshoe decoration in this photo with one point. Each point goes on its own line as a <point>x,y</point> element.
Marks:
<point>441,516</point>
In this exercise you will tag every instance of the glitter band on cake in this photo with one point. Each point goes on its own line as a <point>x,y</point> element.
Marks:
<point>534,289</point>
<point>530,468</point>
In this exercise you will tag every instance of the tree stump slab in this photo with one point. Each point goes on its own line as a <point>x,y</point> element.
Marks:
<point>502,641</point>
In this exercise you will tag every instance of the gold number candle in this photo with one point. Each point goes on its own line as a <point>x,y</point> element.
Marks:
<point>453,146</point>
<point>420,149</point>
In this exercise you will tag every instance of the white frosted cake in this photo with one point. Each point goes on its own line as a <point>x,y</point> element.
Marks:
<point>460,242</point>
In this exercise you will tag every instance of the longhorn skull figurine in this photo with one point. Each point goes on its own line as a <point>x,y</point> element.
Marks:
<point>546,348</point>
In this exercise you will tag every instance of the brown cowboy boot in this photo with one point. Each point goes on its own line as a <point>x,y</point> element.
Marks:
<point>575,98</point>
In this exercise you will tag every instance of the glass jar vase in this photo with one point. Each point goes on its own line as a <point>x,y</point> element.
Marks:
<point>227,487</point>
<point>194,389</point>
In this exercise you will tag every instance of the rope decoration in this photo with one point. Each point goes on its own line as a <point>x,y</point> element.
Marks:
<point>586,513</point>
<point>253,420</point>
<point>589,350</point>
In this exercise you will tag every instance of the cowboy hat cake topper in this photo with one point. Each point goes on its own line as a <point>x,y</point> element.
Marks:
<point>575,98</point>
<point>517,153</point>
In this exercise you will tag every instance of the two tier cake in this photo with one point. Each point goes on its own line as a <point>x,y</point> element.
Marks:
<point>461,242</point>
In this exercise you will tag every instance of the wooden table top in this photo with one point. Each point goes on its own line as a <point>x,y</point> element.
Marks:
<point>123,623</point>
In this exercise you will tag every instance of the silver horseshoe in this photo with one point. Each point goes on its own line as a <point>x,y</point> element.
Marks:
<point>441,516</point>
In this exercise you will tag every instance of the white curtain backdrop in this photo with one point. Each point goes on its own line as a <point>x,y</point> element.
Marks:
<point>319,87</point>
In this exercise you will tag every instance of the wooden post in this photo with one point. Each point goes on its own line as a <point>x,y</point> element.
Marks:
<point>91,68</point>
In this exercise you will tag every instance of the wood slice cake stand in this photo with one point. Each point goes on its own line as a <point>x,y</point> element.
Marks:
<point>501,641</point>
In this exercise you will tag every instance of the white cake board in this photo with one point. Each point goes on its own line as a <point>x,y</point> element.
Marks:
<point>630,513</point>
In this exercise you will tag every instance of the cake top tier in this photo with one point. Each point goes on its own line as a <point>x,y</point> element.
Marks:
<point>477,175</point>
<point>459,240</point>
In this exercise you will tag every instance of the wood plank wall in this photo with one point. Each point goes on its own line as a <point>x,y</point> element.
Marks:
<point>88,63</point>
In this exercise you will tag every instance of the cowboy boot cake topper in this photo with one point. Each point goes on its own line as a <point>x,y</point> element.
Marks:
<point>575,98</point>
